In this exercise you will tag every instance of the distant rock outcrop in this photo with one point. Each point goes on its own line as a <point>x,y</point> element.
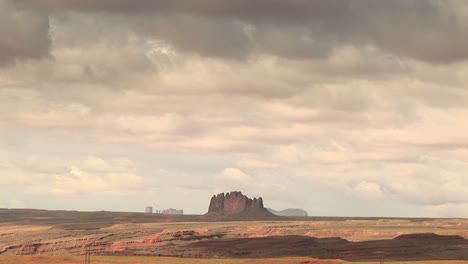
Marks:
<point>289,212</point>
<point>172,211</point>
<point>235,203</point>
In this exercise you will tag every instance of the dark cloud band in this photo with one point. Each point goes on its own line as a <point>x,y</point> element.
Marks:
<point>23,32</point>
<point>424,30</point>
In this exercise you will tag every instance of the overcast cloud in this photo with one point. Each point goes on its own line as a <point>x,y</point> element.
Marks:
<point>337,107</point>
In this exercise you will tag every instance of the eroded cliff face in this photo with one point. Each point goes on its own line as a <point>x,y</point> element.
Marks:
<point>234,203</point>
<point>216,203</point>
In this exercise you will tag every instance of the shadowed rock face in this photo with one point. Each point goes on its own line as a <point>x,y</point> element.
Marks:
<point>233,203</point>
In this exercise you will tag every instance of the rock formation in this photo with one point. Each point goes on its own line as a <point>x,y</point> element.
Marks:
<point>172,211</point>
<point>235,203</point>
<point>288,212</point>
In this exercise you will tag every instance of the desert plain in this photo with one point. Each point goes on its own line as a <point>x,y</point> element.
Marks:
<point>37,236</point>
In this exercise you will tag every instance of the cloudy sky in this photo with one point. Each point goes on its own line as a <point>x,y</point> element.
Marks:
<point>339,107</point>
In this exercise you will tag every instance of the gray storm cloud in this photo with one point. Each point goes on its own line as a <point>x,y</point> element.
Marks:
<point>261,9</point>
<point>24,32</point>
<point>431,31</point>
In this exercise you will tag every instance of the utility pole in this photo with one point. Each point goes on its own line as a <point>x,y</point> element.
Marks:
<point>88,255</point>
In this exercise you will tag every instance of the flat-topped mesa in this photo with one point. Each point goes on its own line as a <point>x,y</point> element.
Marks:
<point>233,203</point>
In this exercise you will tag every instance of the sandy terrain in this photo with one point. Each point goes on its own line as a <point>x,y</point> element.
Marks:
<point>43,233</point>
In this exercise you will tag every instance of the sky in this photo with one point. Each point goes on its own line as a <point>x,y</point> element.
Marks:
<point>338,107</point>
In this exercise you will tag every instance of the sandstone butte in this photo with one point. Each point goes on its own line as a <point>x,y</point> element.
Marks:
<point>237,204</point>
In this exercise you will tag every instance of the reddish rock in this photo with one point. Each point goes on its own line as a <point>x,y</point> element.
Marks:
<point>27,249</point>
<point>234,203</point>
<point>216,203</point>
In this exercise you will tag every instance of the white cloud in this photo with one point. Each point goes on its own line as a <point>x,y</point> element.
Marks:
<point>96,164</point>
<point>84,182</point>
<point>235,175</point>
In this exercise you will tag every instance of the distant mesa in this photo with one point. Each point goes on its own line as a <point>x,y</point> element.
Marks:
<point>235,204</point>
<point>172,211</point>
<point>289,212</point>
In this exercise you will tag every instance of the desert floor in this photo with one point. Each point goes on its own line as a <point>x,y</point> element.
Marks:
<point>31,236</point>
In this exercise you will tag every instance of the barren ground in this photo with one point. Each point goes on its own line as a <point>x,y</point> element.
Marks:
<point>31,236</point>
